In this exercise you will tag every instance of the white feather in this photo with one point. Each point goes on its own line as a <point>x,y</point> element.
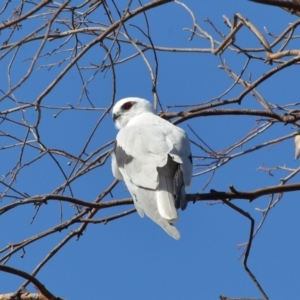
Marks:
<point>297,146</point>
<point>165,199</point>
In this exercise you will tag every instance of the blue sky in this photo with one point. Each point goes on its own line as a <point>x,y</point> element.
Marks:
<point>132,258</point>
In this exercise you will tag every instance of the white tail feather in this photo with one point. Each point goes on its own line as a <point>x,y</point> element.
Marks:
<point>297,146</point>
<point>145,202</point>
<point>165,199</point>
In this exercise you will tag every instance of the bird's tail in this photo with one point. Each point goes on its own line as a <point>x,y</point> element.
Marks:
<point>297,146</point>
<point>165,199</point>
<point>150,208</point>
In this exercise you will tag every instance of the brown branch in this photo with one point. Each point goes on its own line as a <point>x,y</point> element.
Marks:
<point>77,232</point>
<point>100,38</point>
<point>110,218</point>
<point>249,244</point>
<point>200,112</point>
<point>24,296</point>
<point>266,76</point>
<point>212,195</point>
<point>289,4</point>
<point>25,16</point>
<point>41,288</point>
<point>234,194</point>
<point>39,200</point>
<point>227,298</point>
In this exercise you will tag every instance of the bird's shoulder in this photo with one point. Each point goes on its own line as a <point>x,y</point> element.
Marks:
<point>151,122</point>
<point>148,128</point>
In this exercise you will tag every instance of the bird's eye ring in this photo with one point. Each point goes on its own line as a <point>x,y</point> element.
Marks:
<point>127,105</point>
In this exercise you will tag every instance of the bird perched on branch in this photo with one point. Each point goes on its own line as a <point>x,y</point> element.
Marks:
<point>292,6</point>
<point>153,157</point>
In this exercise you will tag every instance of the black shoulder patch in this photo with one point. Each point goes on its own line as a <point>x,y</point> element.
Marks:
<point>191,158</point>
<point>121,156</point>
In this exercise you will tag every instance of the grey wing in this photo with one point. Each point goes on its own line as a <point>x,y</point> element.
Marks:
<point>181,153</point>
<point>140,150</point>
<point>150,147</point>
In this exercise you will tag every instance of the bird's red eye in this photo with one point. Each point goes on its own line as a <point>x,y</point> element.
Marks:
<point>127,105</point>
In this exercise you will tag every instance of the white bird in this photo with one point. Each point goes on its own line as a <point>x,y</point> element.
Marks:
<point>153,157</point>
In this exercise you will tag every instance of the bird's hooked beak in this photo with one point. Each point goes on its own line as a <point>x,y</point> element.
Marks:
<point>116,116</point>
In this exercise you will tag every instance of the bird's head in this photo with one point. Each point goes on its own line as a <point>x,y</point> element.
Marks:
<point>127,108</point>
